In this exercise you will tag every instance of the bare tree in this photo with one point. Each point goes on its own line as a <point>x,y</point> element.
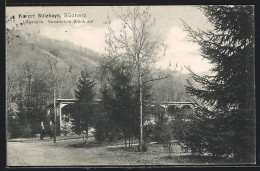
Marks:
<point>136,45</point>
<point>58,84</point>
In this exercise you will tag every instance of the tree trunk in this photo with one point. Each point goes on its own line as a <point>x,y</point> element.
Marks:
<point>170,145</point>
<point>125,143</point>
<point>141,113</point>
<point>87,135</point>
<point>116,136</point>
<point>55,114</point>
<point>141,104</point>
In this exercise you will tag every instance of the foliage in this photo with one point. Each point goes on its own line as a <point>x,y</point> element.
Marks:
<point>28,73</point>
<point>120,106</point>
<point>102,131</point>
<point>120,99</point>
<point>224,124</point>
<point>71,57</point>
<point>170,89</point>
<point>149,130</point>
<point>84,107</point>
<point>135,47</point>
<point>164,133</point>
<point>55,52</point>
<point>106,124</point>
<point>12,125</point>
<point>28,89</point>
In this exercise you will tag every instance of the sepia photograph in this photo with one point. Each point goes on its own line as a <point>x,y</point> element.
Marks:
<point>160,85</point>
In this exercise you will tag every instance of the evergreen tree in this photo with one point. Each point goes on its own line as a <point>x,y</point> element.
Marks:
<point>84,107</point>
<point>125,108</point>
<point>224,123</point>
<point>106,124</point>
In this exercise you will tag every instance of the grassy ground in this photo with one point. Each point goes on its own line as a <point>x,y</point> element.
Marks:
<point>155,154</point>
<point>73,152</point>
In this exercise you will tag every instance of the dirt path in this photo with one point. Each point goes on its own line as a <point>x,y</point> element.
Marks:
<point>49,154</point>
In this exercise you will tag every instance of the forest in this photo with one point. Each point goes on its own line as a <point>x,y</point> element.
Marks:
<point>30,84</point>
<point>41,70</point>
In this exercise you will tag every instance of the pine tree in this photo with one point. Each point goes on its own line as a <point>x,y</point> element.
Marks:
<point>106,121</point>
<point>84,107</point>
<point>125,102</point>
<point>224,124</point>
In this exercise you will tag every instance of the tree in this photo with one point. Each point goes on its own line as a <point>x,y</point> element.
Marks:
<point>136,45</point>
<point>28,90</point>
<point>56,81</point>
<point>171,89</point>
<point>125,106</point>
<point>120,103</point>
<point>106,124</point>
<point>164,133</point>
<point>225,119</point>
<point>52,62</point>
<point>84,109</point>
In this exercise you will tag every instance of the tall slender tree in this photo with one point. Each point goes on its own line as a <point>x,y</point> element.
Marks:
<point>224,123</point>
<point>135,44</point>
<point>84,109</point>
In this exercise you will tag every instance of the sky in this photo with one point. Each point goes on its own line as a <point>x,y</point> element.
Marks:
<point>169,25</point>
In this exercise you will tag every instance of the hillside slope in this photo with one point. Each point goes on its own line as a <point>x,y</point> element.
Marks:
<point>23,49</point>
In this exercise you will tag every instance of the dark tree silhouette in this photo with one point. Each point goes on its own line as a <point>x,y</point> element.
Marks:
<point>224,122</point>
<point>84,107</point>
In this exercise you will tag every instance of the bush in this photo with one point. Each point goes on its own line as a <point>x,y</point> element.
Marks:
<point>104,130</point>
<point>13,128</point>
<point>164,134</point>
<point>148,132</point>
